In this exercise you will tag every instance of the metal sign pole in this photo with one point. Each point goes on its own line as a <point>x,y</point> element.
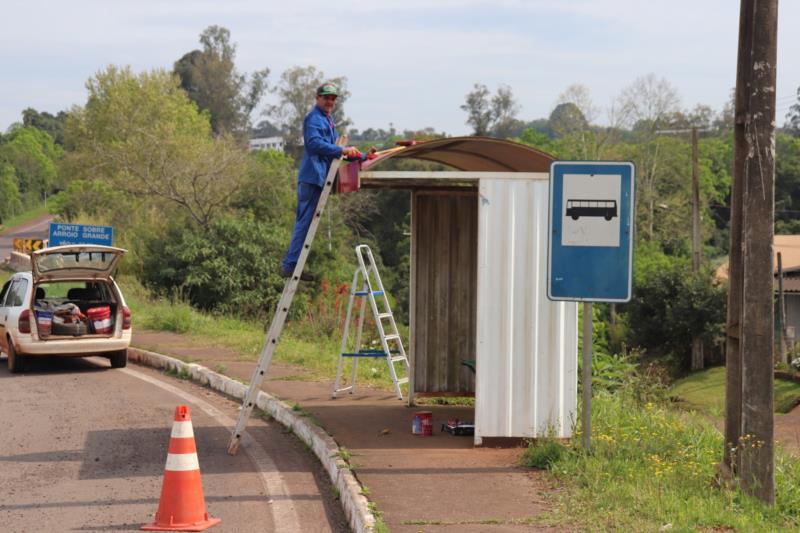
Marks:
<point>586,377</point>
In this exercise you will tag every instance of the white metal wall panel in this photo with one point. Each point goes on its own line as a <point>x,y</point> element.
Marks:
<point>527,351</point>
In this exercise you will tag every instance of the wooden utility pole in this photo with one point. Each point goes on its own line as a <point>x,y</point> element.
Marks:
<point>750,333</point>
<point>784,353</point>
<point>697,342</point>
<point>695,203</point>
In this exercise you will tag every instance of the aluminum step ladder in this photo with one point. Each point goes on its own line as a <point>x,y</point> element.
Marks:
<point>367,278</point>
<point>281,312</point>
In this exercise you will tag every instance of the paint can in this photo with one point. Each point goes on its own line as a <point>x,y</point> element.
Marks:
<point>422,424</point>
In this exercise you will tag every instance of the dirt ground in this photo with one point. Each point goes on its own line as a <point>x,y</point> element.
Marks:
<point>429,484</point>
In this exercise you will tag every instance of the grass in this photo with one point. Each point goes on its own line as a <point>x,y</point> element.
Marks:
<point>705,391</point>
<point>652,465</point>
<point>22,218</point>
<point>468,401</point>
<point>318,356</point>
<point>5,274</point>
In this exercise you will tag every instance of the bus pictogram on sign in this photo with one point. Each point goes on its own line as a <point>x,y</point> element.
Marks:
<point>606,209</point>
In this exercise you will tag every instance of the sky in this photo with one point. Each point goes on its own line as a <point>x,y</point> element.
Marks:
<point>409,64</point>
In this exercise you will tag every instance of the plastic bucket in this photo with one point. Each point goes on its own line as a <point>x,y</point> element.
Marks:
<point>422,424</point>
<point>44,323</point>
<point>100,318</point>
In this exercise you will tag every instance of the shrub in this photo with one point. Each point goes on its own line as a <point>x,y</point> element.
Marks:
<point>671,305</point>
<point>231,268</point>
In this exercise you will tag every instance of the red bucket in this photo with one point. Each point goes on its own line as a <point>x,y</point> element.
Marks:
<point>422,424</point>
<point>100,317</point>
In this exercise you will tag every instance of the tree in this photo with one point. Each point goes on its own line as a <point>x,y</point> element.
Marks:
<point>210,78</point>
<point>645,105</point>
<point>479,110</point>
<point>567,118</point>
<point>53,125</point>
<point>297,91</point>
<point>793,117</point>
<point>33,155</point>
<point>9,192</point>
<point>504,112</point>
<point>495,115</point>
<point>142,134</point>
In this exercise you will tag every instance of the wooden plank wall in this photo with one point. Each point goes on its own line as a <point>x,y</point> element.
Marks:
<point>444,277</point>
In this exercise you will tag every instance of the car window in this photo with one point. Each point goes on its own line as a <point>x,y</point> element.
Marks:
<point>16,294</point>
<point>3,292</point>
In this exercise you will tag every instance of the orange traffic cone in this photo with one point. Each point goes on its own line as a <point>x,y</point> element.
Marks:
<point>182,506</point>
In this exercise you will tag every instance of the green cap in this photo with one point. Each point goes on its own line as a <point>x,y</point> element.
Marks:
<point>327,88</point>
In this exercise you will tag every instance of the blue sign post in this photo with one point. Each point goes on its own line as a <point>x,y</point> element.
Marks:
<point>61,234</point>
<point>590,246</point>
<point>591,231</point>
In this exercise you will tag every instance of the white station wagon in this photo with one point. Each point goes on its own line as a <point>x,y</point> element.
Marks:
<point>68,305</point>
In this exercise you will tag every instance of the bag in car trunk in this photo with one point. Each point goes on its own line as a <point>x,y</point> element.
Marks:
<point>100,319</point>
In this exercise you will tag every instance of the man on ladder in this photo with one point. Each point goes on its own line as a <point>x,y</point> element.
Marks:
<point>319,139</point>
<point>323,154</point>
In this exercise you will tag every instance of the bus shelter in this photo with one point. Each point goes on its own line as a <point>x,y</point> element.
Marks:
<point>478,285</point>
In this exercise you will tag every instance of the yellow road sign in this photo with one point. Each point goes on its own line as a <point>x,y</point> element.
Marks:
<point>27,246</point>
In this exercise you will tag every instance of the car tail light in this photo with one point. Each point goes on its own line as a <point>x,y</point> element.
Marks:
<point>126,318</point>
<point>25,321</point>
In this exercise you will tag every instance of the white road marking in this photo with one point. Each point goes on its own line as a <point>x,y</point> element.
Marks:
<point>283,512</point>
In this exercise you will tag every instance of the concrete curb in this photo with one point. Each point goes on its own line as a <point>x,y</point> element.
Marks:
<point>354,503</point>
<point>18,261</point>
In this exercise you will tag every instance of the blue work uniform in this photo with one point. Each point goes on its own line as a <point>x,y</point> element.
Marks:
<point>319,138</point>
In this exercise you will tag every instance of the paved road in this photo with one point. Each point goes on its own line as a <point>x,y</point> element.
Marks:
<point>83,447</point>
<point>35,229</point>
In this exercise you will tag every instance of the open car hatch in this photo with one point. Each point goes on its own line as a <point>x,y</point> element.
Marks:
<point>75,261</point>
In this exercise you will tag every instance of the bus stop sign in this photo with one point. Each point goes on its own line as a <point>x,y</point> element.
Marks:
<point>590,250</point>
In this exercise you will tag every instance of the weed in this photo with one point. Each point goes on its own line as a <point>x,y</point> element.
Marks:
<point>335,492</point>
<point>365,490</point>
<point>344,454</point>
<point>446,400</point>
<point>380,524</point>
<point>181,373</point>
<point>220,368</point>
<point>543,453</point>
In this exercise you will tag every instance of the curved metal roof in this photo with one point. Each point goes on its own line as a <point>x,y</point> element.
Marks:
<point>478,154</point>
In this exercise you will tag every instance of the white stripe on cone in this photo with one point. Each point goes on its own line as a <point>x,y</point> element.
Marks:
<point>181,462</point>
<point>182,430</point>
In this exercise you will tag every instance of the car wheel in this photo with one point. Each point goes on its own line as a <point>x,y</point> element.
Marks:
<point>119,359</point>
<point>16,362</point>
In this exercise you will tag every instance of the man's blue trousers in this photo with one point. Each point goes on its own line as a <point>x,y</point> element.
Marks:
<point>307,198</point>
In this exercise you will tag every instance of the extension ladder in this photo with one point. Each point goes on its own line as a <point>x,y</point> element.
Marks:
<point>281,312</point>
<point>391,343</point>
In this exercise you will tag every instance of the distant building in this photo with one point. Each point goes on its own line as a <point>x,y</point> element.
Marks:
<point>267,143</point>
<point>789,248</point>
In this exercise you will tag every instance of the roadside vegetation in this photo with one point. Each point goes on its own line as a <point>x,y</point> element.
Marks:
<point>4,275</point>
<point>654,467</point>
<point>704,391</point>
<point>306,344</point>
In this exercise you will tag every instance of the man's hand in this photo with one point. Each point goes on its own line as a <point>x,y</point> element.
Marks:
<point>350,151</point>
